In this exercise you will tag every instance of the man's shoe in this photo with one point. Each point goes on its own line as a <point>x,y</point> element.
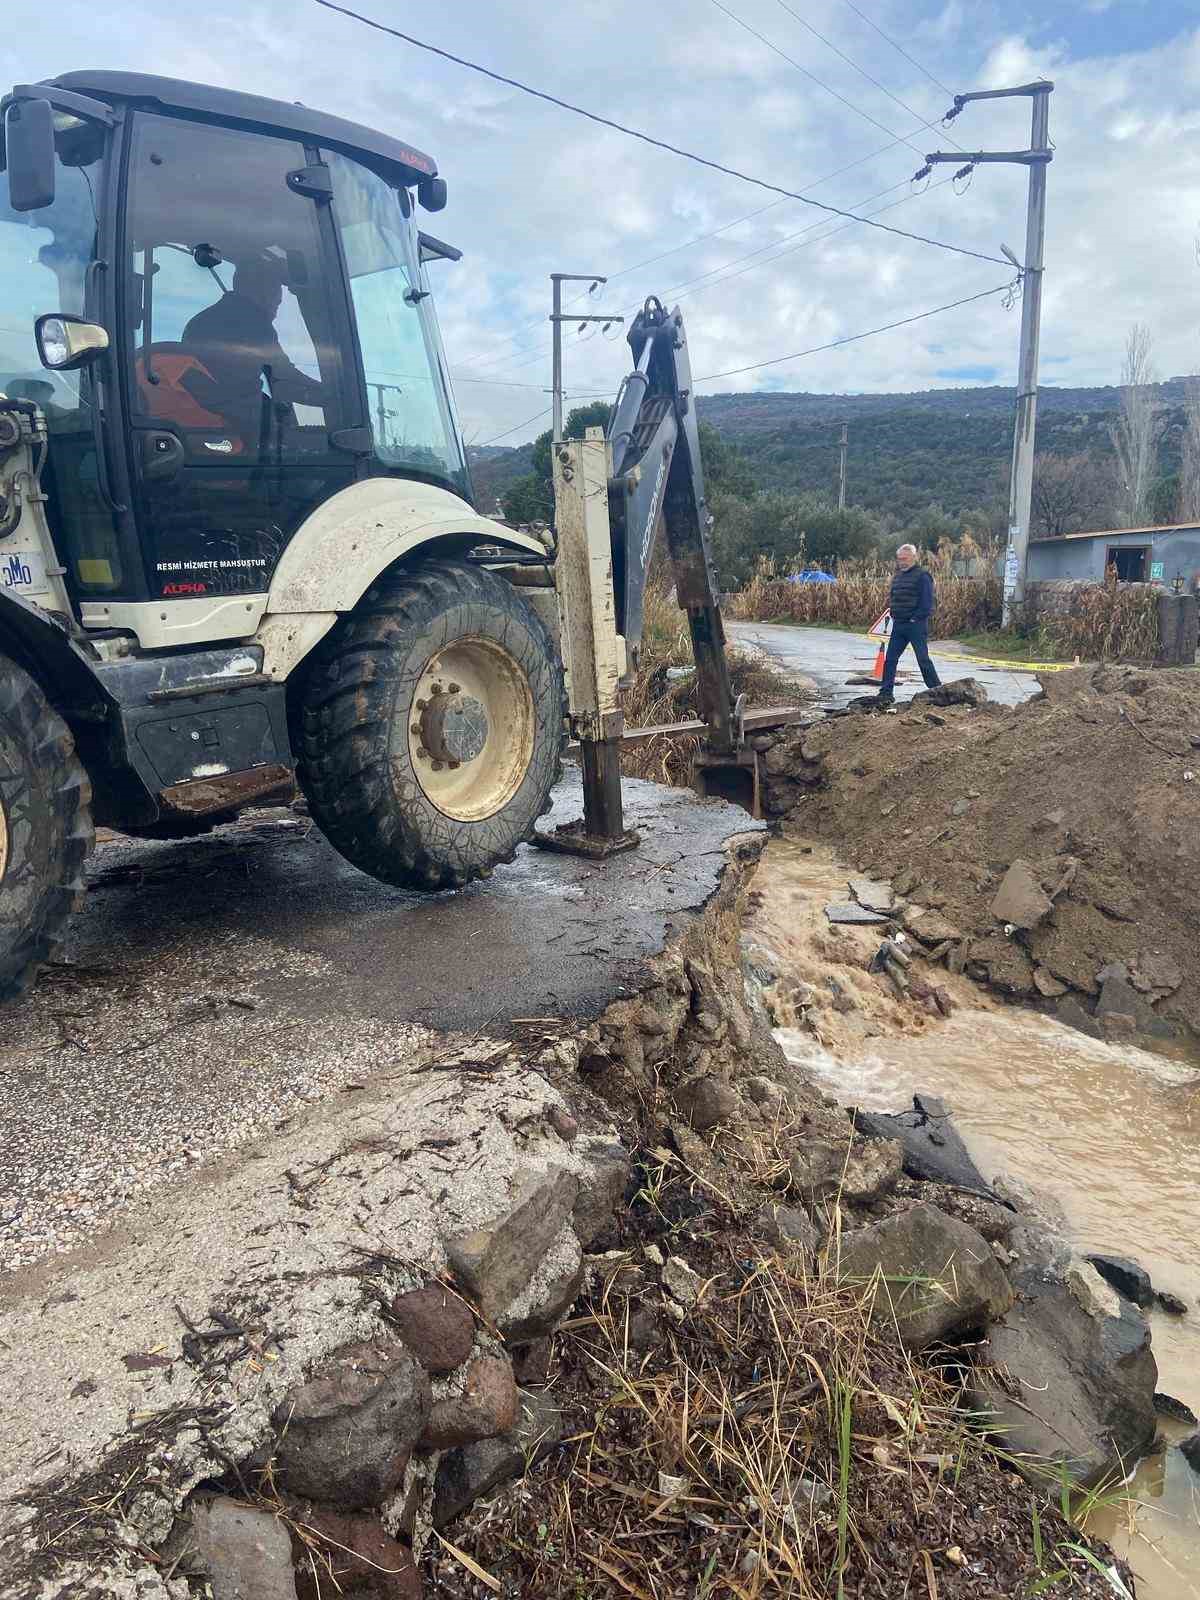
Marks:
<point>883,702</point>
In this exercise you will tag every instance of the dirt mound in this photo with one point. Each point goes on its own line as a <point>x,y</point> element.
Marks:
<point>1093,786</point>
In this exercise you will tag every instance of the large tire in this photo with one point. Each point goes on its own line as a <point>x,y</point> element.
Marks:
<point>46,829</point>
<point>431,727</point>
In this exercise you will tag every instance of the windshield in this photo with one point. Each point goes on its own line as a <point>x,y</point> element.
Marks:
<point>408,391</point>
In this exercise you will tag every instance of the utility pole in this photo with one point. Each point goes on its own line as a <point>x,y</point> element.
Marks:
<point>1036,158</point>
<point>842,469</point>
<point>557,319</point>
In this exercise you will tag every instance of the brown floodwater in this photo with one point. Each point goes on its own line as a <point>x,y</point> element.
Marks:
<point>1109,1130</point>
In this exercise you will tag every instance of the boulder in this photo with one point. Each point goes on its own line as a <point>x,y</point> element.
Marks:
<point>1068,1377</point>
<point>436,1326</point>
<point>1126,1277</point>
<point>346,1435</point>
<point>465,1474</point>
<point>351,1555</point>
<point>937,1276</point>
<point>602,1186</point>
<point>707,1103</point>
<point>873,1169</point>
<point>931,927</point>
<point>1020,899</point>
<point>1118,998</point>
<point>959,692</point>
<point>245,1552</point>
<point>496,1262</point>
<point>486,1407</point>
<point>816,1170</point>
<point>931,1147</point>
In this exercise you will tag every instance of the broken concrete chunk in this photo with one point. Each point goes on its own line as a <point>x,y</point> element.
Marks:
<point>436,1326</point>
<point>1067,1382</point>
<point>932,1148</point>
<point>348,1555</point>
<point>935,1274</point>
<point>851,914</point>
<point>1047,985</point>
<point>707,1103</point>
<point>246,1553</point>
<point>874,896</point>
<point>1168,1406</point>
<point>549,1294</point>
<point>495,1263</point>
<point>1126,1277</point>
<point>1002,963</point>
<point>346,1434</point>
<point>486,1407</point>
<point>470,1472</point>
<point>931,927</point>
<point>1020,899</point>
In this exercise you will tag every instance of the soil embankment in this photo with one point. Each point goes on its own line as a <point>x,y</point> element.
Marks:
<point>1050,848</point>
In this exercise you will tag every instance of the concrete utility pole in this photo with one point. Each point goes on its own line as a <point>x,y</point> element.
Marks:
<point>842,468</point>
<point>1036,158</point>
<point>557,318</point>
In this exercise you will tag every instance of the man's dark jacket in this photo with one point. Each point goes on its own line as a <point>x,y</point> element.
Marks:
<point>912,595</point>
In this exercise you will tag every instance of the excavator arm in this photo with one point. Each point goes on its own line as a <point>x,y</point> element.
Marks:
<point>657,476</point>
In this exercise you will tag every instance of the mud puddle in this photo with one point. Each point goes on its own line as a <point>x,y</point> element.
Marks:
<point>1111,1131</point>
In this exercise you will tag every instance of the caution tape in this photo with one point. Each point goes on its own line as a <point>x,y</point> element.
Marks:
<point>998,661</point>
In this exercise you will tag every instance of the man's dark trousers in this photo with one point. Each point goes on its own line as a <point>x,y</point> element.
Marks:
<point>904,634</point>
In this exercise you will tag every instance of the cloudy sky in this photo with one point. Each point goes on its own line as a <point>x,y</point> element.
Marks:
<point>807,94</point>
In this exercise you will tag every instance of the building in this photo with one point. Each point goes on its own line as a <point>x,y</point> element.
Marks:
<point>1140,555</point>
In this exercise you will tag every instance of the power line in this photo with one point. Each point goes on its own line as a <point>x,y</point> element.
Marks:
<point>849,60</point>
<point>658,144</point>
<point>900,48</point>
<point>496,437</point>
<point>812,77</point>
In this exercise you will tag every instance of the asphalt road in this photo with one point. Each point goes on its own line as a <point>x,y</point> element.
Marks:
<point>828,656</point>
<point>214,986</point>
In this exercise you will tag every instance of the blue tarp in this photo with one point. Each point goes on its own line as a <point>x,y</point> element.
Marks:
<point>812,575</point>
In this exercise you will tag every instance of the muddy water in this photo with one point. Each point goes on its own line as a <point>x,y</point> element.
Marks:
<point>1112,1132</point>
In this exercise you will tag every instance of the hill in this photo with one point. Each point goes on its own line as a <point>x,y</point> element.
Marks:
<point>907,452</point>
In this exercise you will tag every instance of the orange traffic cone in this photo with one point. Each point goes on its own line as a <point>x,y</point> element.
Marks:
<point>877,669</point>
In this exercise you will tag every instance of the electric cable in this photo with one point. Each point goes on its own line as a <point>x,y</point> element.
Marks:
<point>649,139</point>
<point>887,36</point>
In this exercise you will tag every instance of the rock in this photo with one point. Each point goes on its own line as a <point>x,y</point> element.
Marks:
<point>353,1555</point>
<point>549,1295</point>
<point>436,1326</point>
<point>564,1125</point>
<point>487,1407</point>
<point>1069,1375</point>
<point>346,1434</point>
<point>816,1170</point>
<point>851,913</point>
<point>960,808</point>
<point>936,1274</point>
<point>467,1473</point>
<point>959,692</point>
<point>931,927</point>
<point>873,1169</point>
<point>1118,997</point>
<point>1052,821</point>
<point>681,1283</point>
<point>602,1187</point>
<point>789,1229</point>
<point>1001,963</point>
<point>645,1329</point>
<point>1020,899</point>
<point>1047,985</point>
<point>1074,1014</point>
<point>906,881</point>
<point>1167,1406</point>
<point>873,896</point>
<point>1190,1450</point>
<point>708,1103</point>
<point>1171,1302</point>
<point>763,1092</point>
<point>497,1262</point>
<point>931,1146</point>
<point>531,1363</point>
<point>1126,1277</point>
<point>1156,974</point>
<point>246,1553</point>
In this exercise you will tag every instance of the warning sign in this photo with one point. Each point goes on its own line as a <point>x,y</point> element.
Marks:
<point>881,628</point>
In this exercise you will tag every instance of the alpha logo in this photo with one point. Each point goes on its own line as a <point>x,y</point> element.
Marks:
<point>652,514</point>
<point>16,573</point>
<point>185,588</point>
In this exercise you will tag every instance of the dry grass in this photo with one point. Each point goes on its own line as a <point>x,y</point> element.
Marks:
<point>1107,622</point>
<point>655,698</point>
<point>861,594</point>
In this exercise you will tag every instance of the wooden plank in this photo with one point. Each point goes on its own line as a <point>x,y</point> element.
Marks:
<point>759,721</point>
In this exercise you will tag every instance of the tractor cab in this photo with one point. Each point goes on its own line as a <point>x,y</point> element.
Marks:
<point>218,303</point>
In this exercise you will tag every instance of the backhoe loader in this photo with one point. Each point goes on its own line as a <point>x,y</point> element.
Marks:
<point>238,552</point>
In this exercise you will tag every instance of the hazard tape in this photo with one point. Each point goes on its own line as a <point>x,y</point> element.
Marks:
<point>997,661</point>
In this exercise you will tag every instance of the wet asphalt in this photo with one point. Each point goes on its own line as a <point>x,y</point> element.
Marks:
<point>828,656</point>
<point>211,987</point>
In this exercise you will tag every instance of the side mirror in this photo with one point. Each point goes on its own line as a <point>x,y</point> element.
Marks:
<point>431,192</point>
<point>29,154</point>
<point>66,342</point>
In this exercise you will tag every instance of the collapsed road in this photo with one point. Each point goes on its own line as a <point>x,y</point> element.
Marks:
<point>214,987</point>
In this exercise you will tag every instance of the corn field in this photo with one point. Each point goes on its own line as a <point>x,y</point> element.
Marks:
<point>1107,621</point>
<point>861,594</point>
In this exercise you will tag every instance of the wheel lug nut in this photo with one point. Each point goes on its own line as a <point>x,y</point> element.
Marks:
<point>421,704</point>
<point>454,689</point>
<point>437,766</point>
<point>415,730</point>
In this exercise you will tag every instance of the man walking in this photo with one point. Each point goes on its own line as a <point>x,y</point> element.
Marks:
<point>911,605</point>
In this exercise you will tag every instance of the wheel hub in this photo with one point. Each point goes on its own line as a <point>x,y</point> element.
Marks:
<point>454,727</point>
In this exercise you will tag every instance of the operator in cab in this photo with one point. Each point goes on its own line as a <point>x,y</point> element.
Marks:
<point>235,338</point>
<point>911,604</point>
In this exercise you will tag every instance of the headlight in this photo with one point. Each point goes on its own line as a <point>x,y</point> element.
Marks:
<point>56,347</point>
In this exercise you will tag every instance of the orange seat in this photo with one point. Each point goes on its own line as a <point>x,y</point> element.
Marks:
<point>171,398</point>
